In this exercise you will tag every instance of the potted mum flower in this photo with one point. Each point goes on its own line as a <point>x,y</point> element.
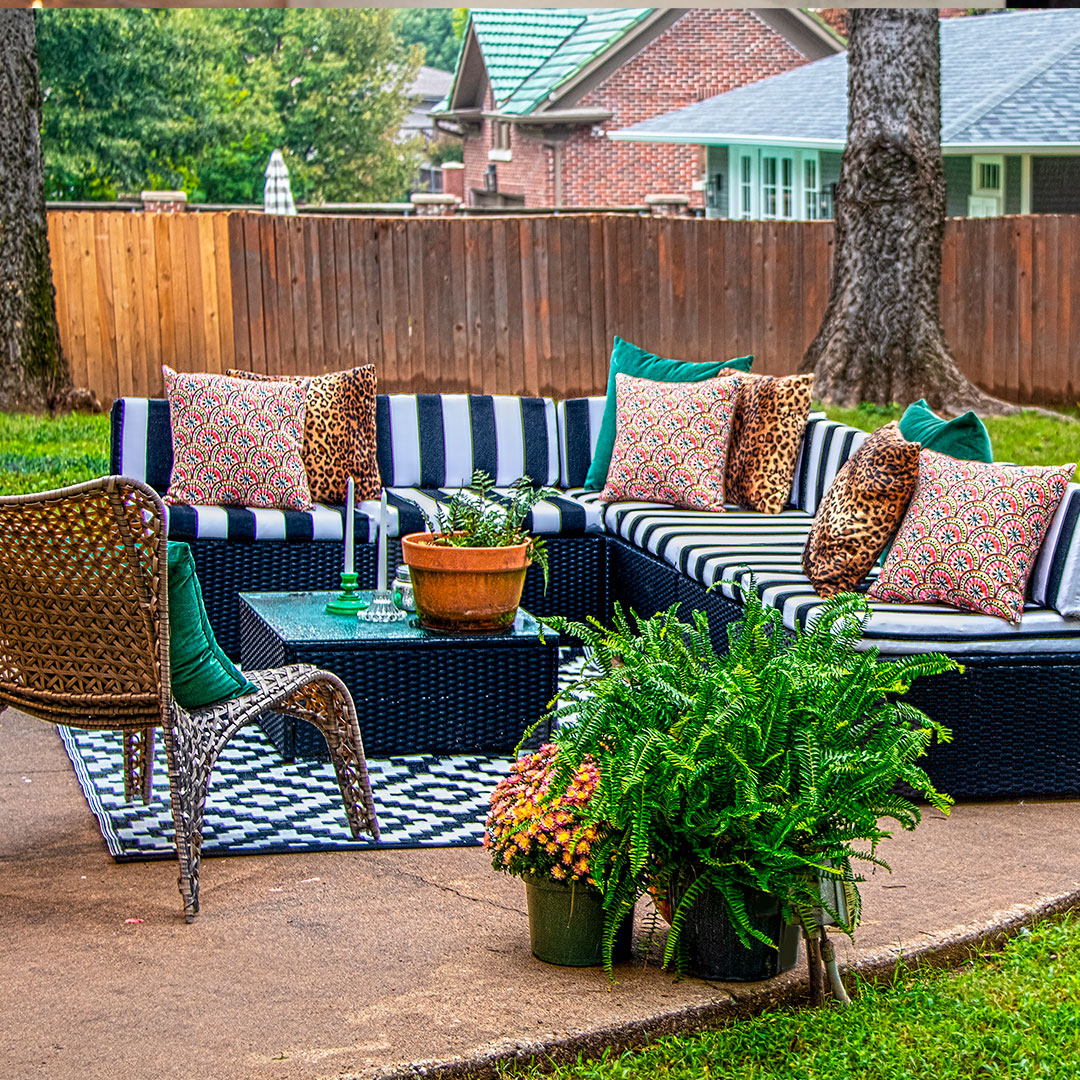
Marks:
<point>535,831</point>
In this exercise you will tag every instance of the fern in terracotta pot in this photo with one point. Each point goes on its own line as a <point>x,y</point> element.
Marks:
<point>468,575</point>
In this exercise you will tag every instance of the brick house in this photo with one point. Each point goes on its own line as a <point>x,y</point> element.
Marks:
<point>1010,125</point>
<point>535,94</point>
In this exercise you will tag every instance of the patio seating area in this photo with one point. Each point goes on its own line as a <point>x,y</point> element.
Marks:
<point>358,963</point>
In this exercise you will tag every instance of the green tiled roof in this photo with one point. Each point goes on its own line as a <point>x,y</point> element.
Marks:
<point>530,53</point>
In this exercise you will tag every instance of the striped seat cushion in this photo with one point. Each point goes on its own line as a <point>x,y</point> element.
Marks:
<point>248,523</point>
<point>902,629</point>
<point>725,549</point>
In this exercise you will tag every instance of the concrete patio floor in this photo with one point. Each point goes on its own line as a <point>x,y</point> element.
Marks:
<point>361,963</point>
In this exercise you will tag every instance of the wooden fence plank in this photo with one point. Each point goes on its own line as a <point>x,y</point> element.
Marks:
<point>522,305</point>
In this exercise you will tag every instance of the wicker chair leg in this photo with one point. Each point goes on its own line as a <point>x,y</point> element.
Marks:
<point>138,763</point>
<point>188,782</point>
<point>326,703</point>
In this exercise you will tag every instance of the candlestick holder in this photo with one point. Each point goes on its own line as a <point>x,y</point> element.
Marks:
<point>349,602</point>
<point>382,609</point>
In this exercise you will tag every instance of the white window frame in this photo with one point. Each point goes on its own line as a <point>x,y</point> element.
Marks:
<point>810,196</point>
<point>770,187</point>
<point>745,160</point>
<point>977,161</point>
<point>756,162</point>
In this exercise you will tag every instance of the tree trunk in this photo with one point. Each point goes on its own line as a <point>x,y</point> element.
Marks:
<point>32,369</point>
<point>881,338</point>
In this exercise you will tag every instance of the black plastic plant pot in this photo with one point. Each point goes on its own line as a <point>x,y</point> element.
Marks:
<point>712,948</point>
<point>566,924</point>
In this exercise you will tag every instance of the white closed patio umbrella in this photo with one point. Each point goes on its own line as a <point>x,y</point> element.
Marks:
<point>277,195</point>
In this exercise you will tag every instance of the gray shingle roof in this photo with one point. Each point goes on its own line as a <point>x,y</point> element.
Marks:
<point>1006,79</point>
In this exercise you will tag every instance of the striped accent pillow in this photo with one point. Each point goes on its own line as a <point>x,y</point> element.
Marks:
<point>579,422</point>
<point>438,440</point>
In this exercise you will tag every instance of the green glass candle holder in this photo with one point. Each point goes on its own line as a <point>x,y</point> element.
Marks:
<point>349,602</point>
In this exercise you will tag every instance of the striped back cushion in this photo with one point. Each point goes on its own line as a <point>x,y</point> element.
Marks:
<point>579,427</point>
<point>424,440</point>
<point>1055,577</point>
<point>438,440</point>
<point>825,447</point>
<point>141,440</point>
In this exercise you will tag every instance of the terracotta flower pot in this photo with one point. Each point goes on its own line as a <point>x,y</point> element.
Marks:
<point>462,590</point>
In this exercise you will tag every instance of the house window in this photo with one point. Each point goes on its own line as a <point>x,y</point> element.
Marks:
<point>500,135</point>
<point>768,187</point>
<point>746,186</point>
<point>812,189</point>
<point>989,178</point>
<point>987,198</point>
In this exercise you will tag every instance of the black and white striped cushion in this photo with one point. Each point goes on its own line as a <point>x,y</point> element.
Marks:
<point>424,440</point>
<point>250,523</point>
<point>579,422</point>
<point>141,441</point>
<point>562,516</point>
<point>1055,577</point>
<point>902,629</point>
<point>438,440</point>
<point>825,447</point>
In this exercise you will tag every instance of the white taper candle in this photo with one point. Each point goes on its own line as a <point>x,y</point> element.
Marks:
<point>349,523</point>
<point>384,524</point>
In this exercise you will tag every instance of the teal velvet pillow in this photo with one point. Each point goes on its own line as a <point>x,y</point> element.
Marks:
<point>200,672</point>
<point>628,359</point>
<point>964,437</point>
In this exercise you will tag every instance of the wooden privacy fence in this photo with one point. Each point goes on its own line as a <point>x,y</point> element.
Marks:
<point>522,304</point>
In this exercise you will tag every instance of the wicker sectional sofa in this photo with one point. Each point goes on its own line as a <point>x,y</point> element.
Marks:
<point>1015,710</point>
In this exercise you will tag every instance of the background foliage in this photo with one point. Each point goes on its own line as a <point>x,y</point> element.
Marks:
<point>197,99</point>
<point>437,30</point>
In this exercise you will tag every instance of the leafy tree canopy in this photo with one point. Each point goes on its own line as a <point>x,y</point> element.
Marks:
<point>437,30</point>
<point>196,100</point>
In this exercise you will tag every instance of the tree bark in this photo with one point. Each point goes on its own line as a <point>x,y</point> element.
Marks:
<point>881,338</point>
<point>33,370</point>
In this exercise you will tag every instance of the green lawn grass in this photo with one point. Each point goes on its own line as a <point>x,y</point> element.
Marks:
<point>38,453</point>
<point>1029,438</point>
<point>1010,1015</point>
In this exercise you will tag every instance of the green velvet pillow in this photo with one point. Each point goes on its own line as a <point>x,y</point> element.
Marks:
<point>200,672</point>
<point>628,359</point>
<point>964,437</point>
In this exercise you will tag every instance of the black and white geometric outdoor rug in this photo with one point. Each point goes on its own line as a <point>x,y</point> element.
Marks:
<point>260,805</point>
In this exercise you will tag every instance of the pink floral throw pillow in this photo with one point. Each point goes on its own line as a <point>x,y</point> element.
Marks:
<point>671,441</point>
<point>971,534</point>
<point>236,442</point>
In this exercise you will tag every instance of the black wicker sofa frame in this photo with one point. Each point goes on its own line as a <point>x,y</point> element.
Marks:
<point>1014,710</point>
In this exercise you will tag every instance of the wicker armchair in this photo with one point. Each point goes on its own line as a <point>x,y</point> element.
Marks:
<point>84,641</point>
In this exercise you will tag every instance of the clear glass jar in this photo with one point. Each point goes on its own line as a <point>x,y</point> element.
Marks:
<point>401,587</point>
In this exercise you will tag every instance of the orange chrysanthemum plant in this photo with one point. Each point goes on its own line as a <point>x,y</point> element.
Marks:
<point>536,829</point>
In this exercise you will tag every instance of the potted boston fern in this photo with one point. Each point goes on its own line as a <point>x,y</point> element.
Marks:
<point>733,787</point>
<point>468,575</point>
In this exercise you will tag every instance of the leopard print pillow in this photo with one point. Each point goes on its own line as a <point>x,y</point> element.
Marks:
<point>339,431</point>
<point>766,433</point>
<point>861,510</point>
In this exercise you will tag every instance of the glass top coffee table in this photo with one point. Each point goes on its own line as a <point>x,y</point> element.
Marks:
<point>415,691</point>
